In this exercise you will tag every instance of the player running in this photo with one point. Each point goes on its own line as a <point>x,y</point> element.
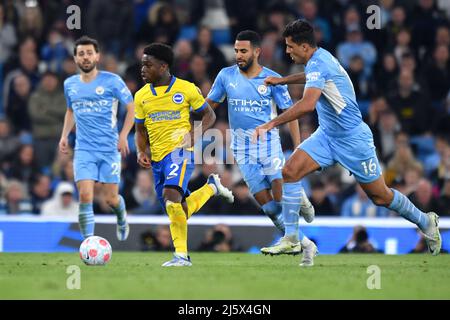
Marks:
<point>92,98</point>
<point>250,104</point>
<point>342,135</point>
<point>163,124</point>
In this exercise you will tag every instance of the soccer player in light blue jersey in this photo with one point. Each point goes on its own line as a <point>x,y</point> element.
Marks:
<point>250,104</point>
<point>342,136</point>
<point>93,98</point>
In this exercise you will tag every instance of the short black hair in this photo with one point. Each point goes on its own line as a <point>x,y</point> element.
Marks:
<point>83,41</point>
<point>301,31</point>
<point>249,35</point>
<point>161,52</point>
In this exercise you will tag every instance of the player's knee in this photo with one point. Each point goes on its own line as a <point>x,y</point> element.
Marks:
<point>175,212</point>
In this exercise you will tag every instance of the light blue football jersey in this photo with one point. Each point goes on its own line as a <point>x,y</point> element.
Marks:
<point>337,108</point>
<point>250,104</point>
<point>94,106</point>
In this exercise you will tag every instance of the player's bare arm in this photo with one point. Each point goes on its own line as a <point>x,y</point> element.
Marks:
<point>208,120</point>
<point>294,130</point>
<point>69,123</point>
<point>305,105</point>
<point>296,78</point>
<point>128,124</point>
<point>213,104</point>
<point>142,146</point>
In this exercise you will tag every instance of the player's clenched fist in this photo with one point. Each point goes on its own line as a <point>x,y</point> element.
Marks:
<point>63,145</point>
<point>144,160</point>
<point>122,146</point>
<point>272,81</point>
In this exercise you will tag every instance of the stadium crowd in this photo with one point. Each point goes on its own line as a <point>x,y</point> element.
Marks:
<point>401,76</point>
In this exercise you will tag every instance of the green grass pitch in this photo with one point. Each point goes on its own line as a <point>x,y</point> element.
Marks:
<point>224,276</point>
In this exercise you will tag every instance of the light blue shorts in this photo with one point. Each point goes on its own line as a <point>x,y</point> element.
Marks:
<point>259,169</point>
<point>98,166</point>
<point>355,151</point>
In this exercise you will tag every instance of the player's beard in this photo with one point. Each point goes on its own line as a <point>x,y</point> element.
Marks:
<point>247,65</point>
<point>87,69</point>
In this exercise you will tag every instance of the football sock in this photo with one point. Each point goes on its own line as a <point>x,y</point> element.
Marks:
<point>120,211</point>
<point>178,226</point>
<point>272,209</point>
<point>198,198</point>
<point>403,206</point>
<point>86,219</point>
<point>291,209</point>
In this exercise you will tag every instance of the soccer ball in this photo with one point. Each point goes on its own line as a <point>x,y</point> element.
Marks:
<point>95,251</point>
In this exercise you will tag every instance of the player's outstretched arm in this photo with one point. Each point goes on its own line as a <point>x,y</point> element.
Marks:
<point>69,122</point>
<point>142,145</point>
<point>127,125</point>
<point>296,78</point>
<point>305,105</point>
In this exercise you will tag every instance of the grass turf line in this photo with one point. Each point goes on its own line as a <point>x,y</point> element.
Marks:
<point>139,275</point>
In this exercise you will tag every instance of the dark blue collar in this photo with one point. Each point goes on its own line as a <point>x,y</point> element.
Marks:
<point>172,81</point>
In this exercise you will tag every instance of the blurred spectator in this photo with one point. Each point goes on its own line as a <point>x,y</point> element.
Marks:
<point>271,53</point>
<point>9,144</point>
<point>218,239</point>
<point>423,196</point>
<point>442,37</point>
<point>40,192</point>
<point>402,44</point>
<point>243,19</point>
<point>24,166</point>
<point>161,25</point>
<point>437,75</point>
<point>384,134</point>
<point>16,199</point>
<point>134,68</point>
<point>359,242</point>
<point>109,22</point>
<point>204,47</point>
<point>386,74</point>
<point>198,70</point>
<point>109,63</point>
<point>396,24</point>
<point>307,9</point>
<point>402,160</point>
<point>359,205</point>
<point>8,38</point>
<point>62,203</point>
<point>55,51</point>
<point>444,200</point>
<point>243,204</point>
<point>320,200</point>
<point>362,83</point>
<point>141,199</point>
<point>412,106</point>
<point>356,45</point>
<point>426,17</point>
<point>411,180</point>
<point>17,107</point>
<point>47,108</point>
<point>31,22</point>
<point>183,54</point>
<point>442,172</point>
<point>161,240</point>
